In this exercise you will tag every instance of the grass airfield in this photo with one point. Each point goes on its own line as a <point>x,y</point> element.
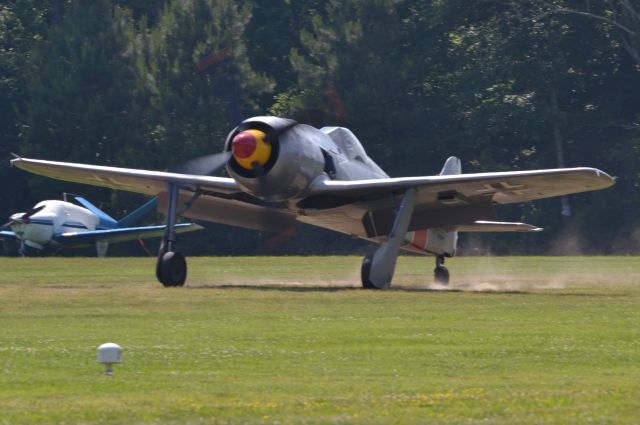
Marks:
<point>294,340</point>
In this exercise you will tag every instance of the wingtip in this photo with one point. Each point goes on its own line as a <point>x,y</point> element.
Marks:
<point>16,158</point>
<point>600,173</point>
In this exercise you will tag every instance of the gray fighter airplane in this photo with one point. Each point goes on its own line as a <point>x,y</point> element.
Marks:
<point>283,172</point>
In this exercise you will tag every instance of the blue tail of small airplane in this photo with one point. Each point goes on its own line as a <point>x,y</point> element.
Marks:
<point>108,222</point>
<point>138,214</point>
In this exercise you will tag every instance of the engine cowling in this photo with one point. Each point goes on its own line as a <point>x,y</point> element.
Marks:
<point>274,158</point>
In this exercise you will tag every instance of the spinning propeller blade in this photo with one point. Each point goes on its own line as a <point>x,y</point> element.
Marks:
<point>274,133</point>
<point>33,211</point>
<point>204,165</point>
<point>27,216</point>
<point>24,218</point>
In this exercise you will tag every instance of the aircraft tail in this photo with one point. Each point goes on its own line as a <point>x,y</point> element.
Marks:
<point>436,241</point>
<point>432,241</point>
<point>106,221</point>
<point>136,216</point>
<point>451,166</point>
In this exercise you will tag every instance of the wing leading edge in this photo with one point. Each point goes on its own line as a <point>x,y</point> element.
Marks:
<point>127,179</point>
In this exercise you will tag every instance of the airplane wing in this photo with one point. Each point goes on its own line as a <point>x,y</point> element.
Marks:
<point>445,201</point>
<point>364,208</point>
<point>127,179</point>
<point>500,188</point>
<point>7,235</point>
<point>221,200</point>
<point>120,235</point>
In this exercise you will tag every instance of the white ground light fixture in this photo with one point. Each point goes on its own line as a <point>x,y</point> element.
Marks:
<point>109,354</point>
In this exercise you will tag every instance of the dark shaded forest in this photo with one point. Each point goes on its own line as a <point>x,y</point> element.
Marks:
<point>503,84</point>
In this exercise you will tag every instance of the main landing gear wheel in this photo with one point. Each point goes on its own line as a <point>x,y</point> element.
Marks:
<point>171,269</point>
<point>440,274</point>
<point>365,272</point>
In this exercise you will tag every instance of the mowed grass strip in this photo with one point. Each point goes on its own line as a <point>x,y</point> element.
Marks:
<point>294,340</point>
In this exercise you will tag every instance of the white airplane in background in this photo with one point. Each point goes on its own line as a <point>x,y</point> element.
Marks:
<point>283,172</point>
<point>55,224</point>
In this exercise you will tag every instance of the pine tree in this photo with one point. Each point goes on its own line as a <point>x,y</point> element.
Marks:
<point>203,82</point>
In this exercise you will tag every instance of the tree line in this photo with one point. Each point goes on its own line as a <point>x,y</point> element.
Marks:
<point>503,84</point>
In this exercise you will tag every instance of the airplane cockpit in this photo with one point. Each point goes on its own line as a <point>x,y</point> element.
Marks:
<point>350,148</point>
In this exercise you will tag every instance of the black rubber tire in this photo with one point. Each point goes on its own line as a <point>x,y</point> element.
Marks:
<point>441,275</point>
<point>172,269</point>
<point>365,271</point>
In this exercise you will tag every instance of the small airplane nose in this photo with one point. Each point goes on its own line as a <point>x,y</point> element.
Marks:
<point>249,147</point>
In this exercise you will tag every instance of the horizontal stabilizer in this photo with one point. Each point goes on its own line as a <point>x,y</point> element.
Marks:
<point>497,226</point>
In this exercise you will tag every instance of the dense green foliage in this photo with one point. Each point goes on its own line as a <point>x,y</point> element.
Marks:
<point>504,85</point>
<point>518,341</point>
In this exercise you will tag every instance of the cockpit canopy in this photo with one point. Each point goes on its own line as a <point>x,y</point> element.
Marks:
<point>347,142</point>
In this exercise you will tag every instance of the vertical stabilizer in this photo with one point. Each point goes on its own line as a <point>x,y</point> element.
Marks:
<point>451,166</point>
<point>441,241</point>
<point>136,216</point>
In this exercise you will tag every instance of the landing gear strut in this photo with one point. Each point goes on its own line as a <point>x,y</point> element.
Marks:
<point>365,272</point>
<point>440,273</point>
<point>378,267</point>
<point>171,268</point>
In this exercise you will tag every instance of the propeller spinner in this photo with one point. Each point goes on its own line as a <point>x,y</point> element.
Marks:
<point>250,149</point>
<point>22,218</point>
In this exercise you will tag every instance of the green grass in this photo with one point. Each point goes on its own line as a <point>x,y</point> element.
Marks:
<point>294,340</point>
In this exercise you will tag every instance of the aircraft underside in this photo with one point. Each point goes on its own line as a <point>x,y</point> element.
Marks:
<point>378,267</point>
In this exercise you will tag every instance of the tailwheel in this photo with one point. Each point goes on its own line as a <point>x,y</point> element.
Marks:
<point>365,272</point>
<point>171,269</point>
<point>440,273</point>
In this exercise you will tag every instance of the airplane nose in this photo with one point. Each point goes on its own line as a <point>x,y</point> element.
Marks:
<point>244,144</point>
<point>249,147</point>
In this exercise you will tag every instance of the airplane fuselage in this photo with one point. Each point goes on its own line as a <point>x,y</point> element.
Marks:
<point>56,217</point>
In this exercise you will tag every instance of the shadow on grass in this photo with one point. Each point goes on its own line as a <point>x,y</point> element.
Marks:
<point>331,289</point>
